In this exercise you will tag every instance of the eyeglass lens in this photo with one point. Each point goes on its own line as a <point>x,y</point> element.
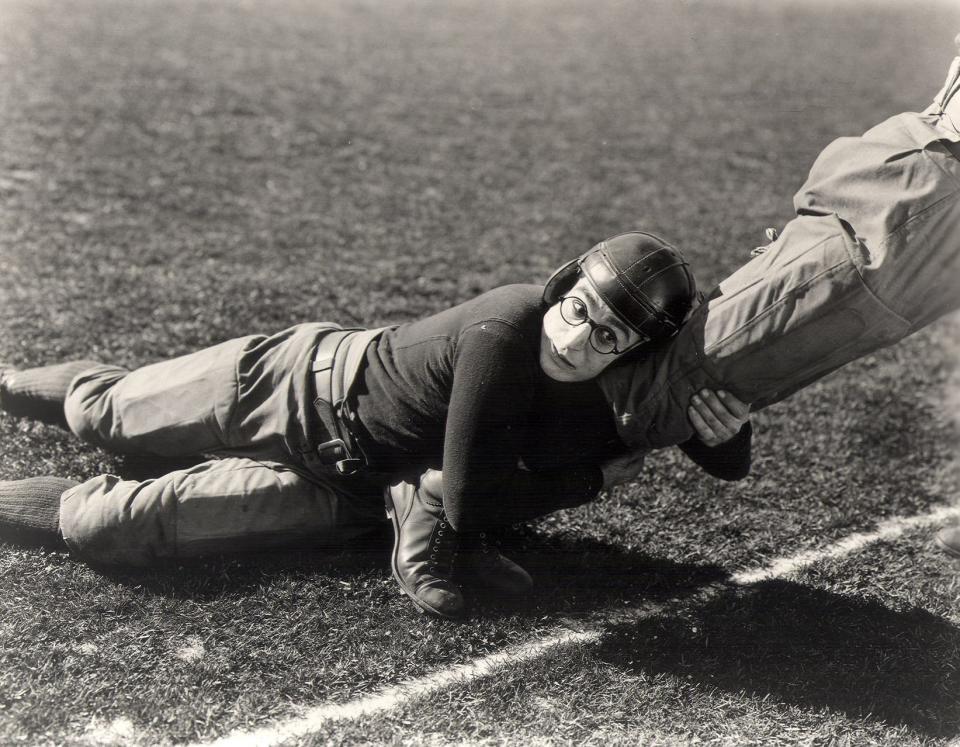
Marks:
<point>574,312</point>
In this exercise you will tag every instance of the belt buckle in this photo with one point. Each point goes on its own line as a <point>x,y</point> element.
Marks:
<point>348,466</point>
<point>335,452</point>
<point>337,446</point>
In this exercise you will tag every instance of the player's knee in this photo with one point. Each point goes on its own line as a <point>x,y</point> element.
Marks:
<point>104,522</point>
<point>88,406</point>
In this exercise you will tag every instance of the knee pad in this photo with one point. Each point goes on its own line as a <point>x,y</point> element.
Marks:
<point>110,521</point>
<point>88,406</point>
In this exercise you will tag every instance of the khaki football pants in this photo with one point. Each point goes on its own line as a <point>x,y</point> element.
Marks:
<point>248,401</point>
<point>872,256</point>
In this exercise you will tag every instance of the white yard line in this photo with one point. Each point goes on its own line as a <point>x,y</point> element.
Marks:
<point>391,697</point>
<point>889,529</point>
<point>384,700</point>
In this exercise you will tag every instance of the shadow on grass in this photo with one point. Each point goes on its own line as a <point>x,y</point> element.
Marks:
<point>808,648</point>
<point>573,576</point>
<point>580,576</point>
<point>212,577</point>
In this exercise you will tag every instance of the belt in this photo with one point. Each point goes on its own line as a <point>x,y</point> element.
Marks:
<point>335,367</point>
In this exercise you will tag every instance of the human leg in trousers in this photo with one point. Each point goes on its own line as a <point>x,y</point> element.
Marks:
<point>178,407</point>
<point>220,506</point>
<point>873,256</point>
<point>246,397</point>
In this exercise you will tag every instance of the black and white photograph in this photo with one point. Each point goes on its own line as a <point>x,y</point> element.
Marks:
<point>479,372</point>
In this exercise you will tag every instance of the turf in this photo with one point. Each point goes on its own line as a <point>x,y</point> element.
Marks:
<point>173,174</point>
<point>858,651</point>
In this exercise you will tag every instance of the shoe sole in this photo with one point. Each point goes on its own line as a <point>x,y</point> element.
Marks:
<point>419,603</point>
<point>948,549</point>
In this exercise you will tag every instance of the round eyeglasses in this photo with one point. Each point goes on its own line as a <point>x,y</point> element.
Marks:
<point>573,310</point>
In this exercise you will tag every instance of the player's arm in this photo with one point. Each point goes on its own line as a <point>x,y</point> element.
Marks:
<point>492,390</point>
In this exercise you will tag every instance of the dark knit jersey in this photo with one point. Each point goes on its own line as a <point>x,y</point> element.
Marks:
<point>463,390</point>
<point>457,390</point>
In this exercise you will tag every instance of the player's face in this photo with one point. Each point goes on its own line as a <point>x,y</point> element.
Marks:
<point>567,352</point>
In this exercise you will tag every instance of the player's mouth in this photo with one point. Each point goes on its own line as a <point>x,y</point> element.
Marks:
<point>559,357</point>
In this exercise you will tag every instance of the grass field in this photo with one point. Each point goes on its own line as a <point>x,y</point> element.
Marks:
<point>175,173</point>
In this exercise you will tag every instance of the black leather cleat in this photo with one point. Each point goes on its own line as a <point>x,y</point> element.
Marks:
<point>425,549</point>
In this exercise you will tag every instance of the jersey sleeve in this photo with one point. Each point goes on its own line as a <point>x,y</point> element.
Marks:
<point>728,461</point>
<point>492,393</point>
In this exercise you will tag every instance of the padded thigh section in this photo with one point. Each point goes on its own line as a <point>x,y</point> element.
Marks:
<point>220,506</point>
<point>798,311</point>
<point>177,407</point>
<point>795,312</point>
<point>898,188</point>
<point>873,255</point>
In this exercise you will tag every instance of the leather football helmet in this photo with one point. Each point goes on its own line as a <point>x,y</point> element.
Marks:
<point>645,281</point>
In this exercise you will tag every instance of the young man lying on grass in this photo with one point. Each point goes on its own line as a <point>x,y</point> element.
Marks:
<point>316,426</point>
<point>873,255</point>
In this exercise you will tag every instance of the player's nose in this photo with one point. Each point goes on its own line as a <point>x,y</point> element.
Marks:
<point>575,337</point>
